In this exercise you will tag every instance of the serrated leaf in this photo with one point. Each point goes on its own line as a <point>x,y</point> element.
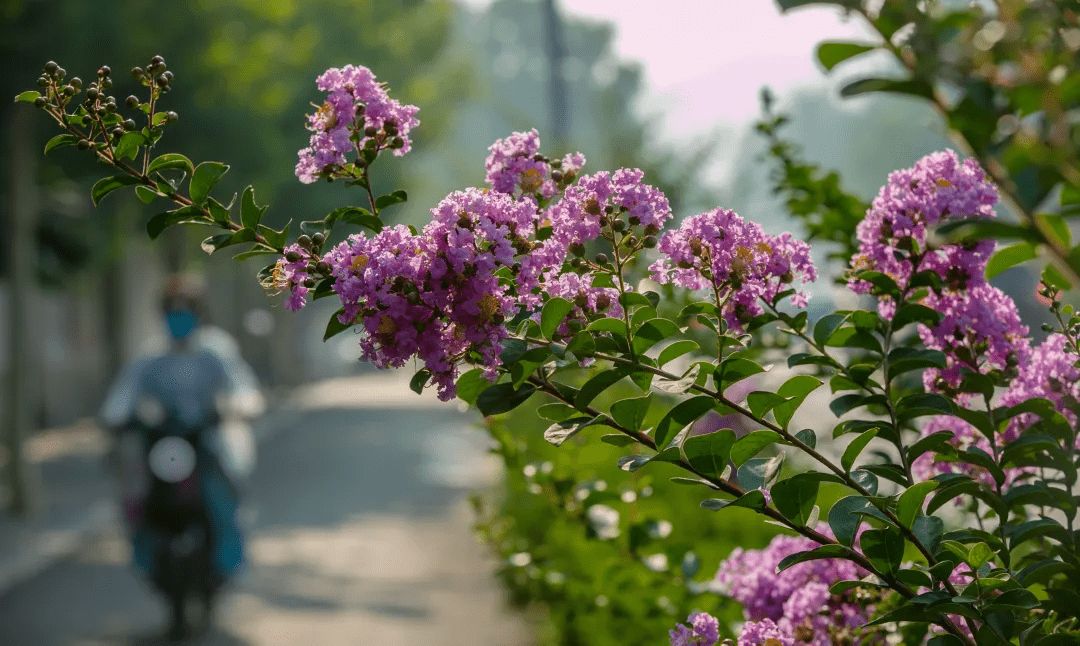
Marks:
<point>205,176</point>
<point>109,184</point>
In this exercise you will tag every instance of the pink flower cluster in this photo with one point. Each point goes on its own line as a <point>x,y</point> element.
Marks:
<point>721,251</point>
<point>357,109</point>
<point>580,215</point>
<point>704,630</point>
<point>892,236</point>
<point>434,295</point>
<point>515,163</point>
<point>1048,372</point>
<point>794,606</point>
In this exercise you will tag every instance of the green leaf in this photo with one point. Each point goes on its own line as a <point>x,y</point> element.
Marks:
<point>128,146</point>
<point>979,554</point>
<point>928,530</point>
<point>617,439</point>
<point>754,499</point>
<point>419,380</point>
<point>675,350</point>
<point>1051,275</point>
<point>682,384</point>
<point>681,415</point>
<point>391,199</point>
<point>502,398</point>
<point>807,437</point>
<point>652,332</point>
<point>735,369</point>
<point>110,184</point>
<point>630,413</point>
<point>851,453</point>
<point>795,498</point>
<point>157,224</point>
<point>818,553</point>
<point>59,141</point>
<point>884,548</point>
<point>598,384</point>
<point>709,453</point>
<point>28,96</point>
<point>914,87</point>
<point>356,215</point>
<point>826,326</point>
<point>213,243</point>
<point>146,195</point>
<point>334,326</point>
<point>204,178</point>
<point>832,54</point>
<point>615,326</point>
<point>909,313</point>
<point>1009,257</point>
<point>751,444</point>
<point>911,501</point>
<point>1056,228</point>
<point>250,212</point>
<point>553,314</point>
<point>760,472</point>
<point>559,432</point>
<point>844,519</point>
<point>470,385</point>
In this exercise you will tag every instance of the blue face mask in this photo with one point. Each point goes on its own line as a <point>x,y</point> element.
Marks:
<point>181,323</point>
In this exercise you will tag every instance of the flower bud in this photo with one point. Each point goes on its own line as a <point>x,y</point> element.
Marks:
<point>371,131</point>
<point>397,142</point>
<point>601,259</point>
<point>104,71</point>
<point>87,120</point>
<point>292,256</point>
<point>618,226</point>
<point>310,267</point>
<point>76,83</point>
<point>69,91</point>
<point>413,298</point>
<point>39,102</point>
<point>106,83</point>
<point>581,300</point>
<point>137,72</point>
<point>309,282</point>
<point>42,81</point>
<point>652,230</point>
<point>110,108</point>
<point>83,144</point>
<point>556,175</point>
<point>129,124</point>
<point>650,242</point>
<point>322,267</point>
<point>92,94</point>
<point>577,249</point>
<point>161,81</point>
<point>51,67</point>
<point>603,301</point>
<point>61,73</point>
<point>318,238</point>
<point>171,116</point>
<point>168,77</point>
<point>575,263</point>
<point>132,101</point>
<point>609,209</point>
<point>631,241</point>
<point>592,207</point>
<point>304,241</point>
<point>390,128</point>
<point>157,60</point>
<point>118,132</point>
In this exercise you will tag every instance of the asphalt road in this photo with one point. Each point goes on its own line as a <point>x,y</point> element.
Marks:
<point>360,535</point>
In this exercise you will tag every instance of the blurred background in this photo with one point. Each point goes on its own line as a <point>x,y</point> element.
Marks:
<point>356,525</point>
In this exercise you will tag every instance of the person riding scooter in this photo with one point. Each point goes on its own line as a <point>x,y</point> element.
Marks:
<point>180,474</point>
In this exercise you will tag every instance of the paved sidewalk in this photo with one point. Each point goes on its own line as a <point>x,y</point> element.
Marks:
<point>79,494</point>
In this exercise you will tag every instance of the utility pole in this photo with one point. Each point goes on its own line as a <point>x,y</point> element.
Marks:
<point>21,396</point>
<point>555,47</point>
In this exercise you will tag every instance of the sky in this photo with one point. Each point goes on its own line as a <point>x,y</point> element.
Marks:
<point>706,60</point>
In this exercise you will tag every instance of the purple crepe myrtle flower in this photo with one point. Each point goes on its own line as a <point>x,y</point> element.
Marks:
<point>589,302</point>
<point>355,106</point>
<point>893,235</point>
<point>290,276</point>
<point>515,165</point>
<point>719,250</point>
<point>765,632</point>
<point>704,630</point>
<point>580,215</point>
<point>980,330</point>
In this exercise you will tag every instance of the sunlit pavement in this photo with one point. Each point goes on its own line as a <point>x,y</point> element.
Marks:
<point>360,535</point>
